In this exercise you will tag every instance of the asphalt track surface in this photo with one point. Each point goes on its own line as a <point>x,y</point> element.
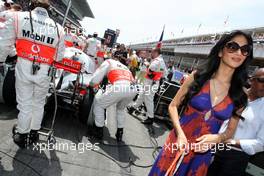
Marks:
<point>77,154</point>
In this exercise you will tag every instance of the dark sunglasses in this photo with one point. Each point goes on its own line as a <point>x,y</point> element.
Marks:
<point>260,80</point>
<point>233,47</point>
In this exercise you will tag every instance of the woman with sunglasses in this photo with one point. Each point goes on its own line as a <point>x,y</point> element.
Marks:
<point>209,97</point>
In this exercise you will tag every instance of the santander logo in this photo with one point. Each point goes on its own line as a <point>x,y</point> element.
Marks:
<point>71,63</point>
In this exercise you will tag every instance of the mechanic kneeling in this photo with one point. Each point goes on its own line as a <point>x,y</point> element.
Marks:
<point>120,91</point>
<point>37,47</point>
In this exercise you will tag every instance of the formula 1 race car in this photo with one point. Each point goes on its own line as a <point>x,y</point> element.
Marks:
<point>72,78</point>
<point>72,83</point>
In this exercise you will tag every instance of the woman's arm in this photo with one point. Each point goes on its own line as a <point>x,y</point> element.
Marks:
<point>177,100</point>
<point>207,141</point>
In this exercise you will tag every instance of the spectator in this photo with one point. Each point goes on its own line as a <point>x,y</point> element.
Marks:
<point>122,54</point>
<point>143,64</point>
<point>133,63</point>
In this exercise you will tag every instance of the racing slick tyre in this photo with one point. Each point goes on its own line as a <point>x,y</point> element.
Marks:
<point>9,90</point>
<point>86,105</point>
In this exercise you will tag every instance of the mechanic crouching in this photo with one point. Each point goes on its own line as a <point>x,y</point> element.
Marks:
<point>120,91</point>
<point>39,41</point>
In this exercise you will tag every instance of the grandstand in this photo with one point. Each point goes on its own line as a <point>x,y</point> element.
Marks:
<point>79,9</point>
<point>190,52</point>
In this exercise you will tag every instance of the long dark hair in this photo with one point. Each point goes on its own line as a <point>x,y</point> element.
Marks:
<point>239,78</point>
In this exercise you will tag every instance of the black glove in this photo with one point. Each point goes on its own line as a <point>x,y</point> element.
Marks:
<point>10,59</point>
<point>150,74</point>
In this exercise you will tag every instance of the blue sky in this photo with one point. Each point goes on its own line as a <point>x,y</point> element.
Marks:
<point>142,20</point>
